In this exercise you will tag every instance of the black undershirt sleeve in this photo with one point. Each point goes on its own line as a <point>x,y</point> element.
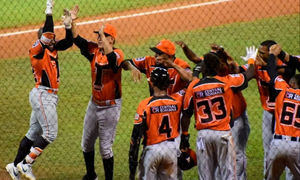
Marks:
<point>49,25</point>
<point>65,43</point>
<point>82,44</point>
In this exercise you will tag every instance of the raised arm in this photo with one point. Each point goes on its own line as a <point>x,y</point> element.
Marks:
<point>188,52</point>
<point>68,41</point>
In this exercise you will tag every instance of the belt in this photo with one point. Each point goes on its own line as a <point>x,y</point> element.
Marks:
<point>104,103</point>
<point>287,138</point>
<point>50,90</point>
<point>172,139</point>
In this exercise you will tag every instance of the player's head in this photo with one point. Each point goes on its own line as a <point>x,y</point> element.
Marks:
<point>164,50</point>
<point>225,59</point>
<point>263,50</point>
<point>211,64</point>
<point>110,33</point>
<point>47,38</point>
<point>295,81</point>
<point>160,78</point>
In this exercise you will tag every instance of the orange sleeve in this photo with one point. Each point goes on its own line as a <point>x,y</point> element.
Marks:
<point>236,80</point>
<point>120,56</point>
<point>280,84</point>
<point>189,95</point>
<point>138,118</point>
<point>140,63</point>
<point>36,48</point>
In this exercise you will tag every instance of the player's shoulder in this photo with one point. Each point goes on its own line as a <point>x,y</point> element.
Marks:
<point>181,63</point>
<point>119,52</point>
<point>178,95</point>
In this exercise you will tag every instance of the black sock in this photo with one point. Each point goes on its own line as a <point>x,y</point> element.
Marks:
<point>41,143</point>
<point>89,158</point>
<point>24,149</point>
<point>108,168</point>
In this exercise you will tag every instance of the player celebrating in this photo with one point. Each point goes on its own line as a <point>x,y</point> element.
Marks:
<point>179,71</point>
<point>286,67</point>
<point>43,97</point>
<point>157,120</point>
<point>104,108</point>
<point>239,123</point>
<point>211,99</point>
<point>285,147</point>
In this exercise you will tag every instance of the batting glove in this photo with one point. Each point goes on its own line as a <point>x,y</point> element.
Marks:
<point>251,53</point>
<point>184,142</point>
<point>67,19</point>
<point>49,7</point>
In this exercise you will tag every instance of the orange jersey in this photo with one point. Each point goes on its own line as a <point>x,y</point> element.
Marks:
<point>44,65</point>
<point>263,80</point>
<point>211,100</point>
<point>287,109</point>
<point>106,81</point>
<point>147,64</point>
<point>161,116</point>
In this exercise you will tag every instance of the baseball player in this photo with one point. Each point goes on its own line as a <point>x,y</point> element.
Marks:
<point>179,71</point>
<point>287,69</point>
<point>211,100</point>
<point>157,120</point>
<point>43,97</point>
<point>239,123</point>
<point>104,108</point>
<point>285,145</point>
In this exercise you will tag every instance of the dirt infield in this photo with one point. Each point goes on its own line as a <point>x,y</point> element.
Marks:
<point>136,27</point>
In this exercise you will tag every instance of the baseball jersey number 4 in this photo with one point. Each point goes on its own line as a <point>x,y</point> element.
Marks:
<point>288,113</point>
<point>164,127</point>
<point>213,109</point>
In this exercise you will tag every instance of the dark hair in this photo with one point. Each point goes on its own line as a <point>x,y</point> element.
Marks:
<point>297,79</point>
<point>268,43</point>
<point>212,64</point>
<point>40,32</point>
<point>160,78</point>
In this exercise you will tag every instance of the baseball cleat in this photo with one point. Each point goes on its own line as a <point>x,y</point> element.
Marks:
<point>13,171</point>
<point>86,177</point>
<point>26,170</point>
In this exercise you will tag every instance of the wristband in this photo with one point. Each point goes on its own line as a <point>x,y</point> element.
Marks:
<point>251,61</point>
<point>185,133</point>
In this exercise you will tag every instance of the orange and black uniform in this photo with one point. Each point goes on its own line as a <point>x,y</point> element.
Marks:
<point>161,117</point>
<point>44,62</point>
<point>105,71</point>
<point>147,64</point>
<point>212,98</point>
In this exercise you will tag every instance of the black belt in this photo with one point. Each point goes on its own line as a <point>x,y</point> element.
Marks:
<point>286,137</point>
<point>172,139</point>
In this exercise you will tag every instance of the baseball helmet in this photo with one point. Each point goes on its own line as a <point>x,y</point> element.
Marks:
<point>187,159</point>
<point>160,78</point>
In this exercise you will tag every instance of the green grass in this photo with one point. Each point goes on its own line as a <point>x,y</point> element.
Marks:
<point>25,12</point>
<point>63,159</point>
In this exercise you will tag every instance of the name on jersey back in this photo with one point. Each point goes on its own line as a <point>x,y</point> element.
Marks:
<point>209,92</point>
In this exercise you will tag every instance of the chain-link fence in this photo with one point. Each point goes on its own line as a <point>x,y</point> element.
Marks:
<point>140,24</point>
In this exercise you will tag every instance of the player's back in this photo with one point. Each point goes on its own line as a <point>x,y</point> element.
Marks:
<point>212,100</point>
<point>162,118</point>
<point>287,110</point>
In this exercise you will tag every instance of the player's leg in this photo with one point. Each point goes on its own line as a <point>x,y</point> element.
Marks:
<point>89,136</point>
<point>240,133</point>
<point>293,162</point>
<point>46,115</point>
<point>226,156</point>
<point>168,165</point>
<point>149,162</point>
<point>107,123</point>
<point>275,160</point>
<point>205,151</point>
<point>267,134</point>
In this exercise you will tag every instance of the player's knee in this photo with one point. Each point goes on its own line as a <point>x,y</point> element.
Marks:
<point>106,153</point>
<point>50,136</point>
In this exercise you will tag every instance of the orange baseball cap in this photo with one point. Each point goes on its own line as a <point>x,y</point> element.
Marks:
<point>109,30</point>
<point>165,46</point>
